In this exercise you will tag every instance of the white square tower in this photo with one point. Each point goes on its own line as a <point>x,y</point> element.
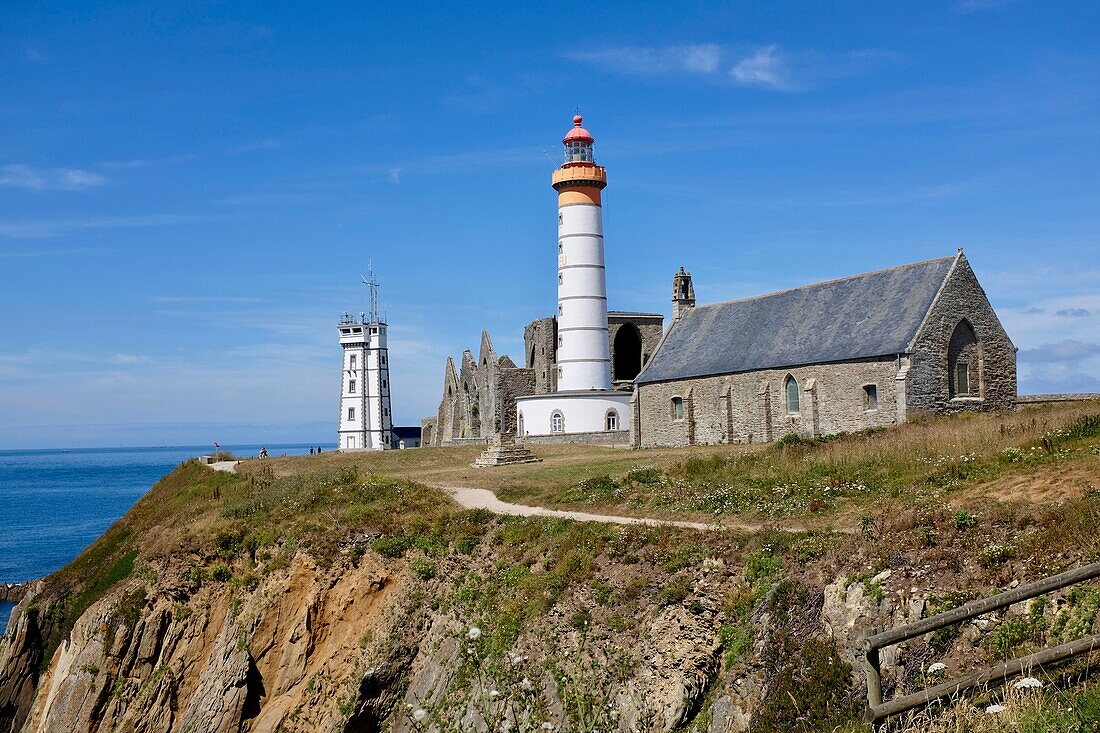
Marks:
<point>365,421</point>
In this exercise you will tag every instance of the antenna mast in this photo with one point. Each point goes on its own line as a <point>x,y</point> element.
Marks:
<point>372,285</point>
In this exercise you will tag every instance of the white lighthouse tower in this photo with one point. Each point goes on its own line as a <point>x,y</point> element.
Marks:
<point>365,421</point>
<point>584,401</point>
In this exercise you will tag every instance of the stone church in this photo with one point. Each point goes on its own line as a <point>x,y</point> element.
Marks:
<point>837,356</point>
<point>479,396</point>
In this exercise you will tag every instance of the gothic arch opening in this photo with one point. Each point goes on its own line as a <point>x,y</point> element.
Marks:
<point>628,352</point>
<point>964,375</point>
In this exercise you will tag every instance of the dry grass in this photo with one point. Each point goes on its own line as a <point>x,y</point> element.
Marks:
<point>1074,710</point>
<point>1000,456</point>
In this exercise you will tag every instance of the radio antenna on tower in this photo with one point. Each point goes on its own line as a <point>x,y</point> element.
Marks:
<point>372,285</point>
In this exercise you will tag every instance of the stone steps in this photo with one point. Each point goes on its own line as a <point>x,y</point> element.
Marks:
<point>503,451</point>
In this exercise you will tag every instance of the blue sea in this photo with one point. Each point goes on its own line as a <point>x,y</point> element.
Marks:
<point>54,503</point>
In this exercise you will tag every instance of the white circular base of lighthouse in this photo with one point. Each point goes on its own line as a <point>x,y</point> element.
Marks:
<point>562,413</point>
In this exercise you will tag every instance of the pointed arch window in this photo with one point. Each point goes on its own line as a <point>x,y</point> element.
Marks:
<point>790,388</point>
<point>964,362</point>
<point>557,422</point>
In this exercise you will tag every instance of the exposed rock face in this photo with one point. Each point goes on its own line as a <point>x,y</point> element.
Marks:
<point>19,661</point>
<point>279,658</point>
<point>218,702</point>
<point>677,668</point>
<point>358,647</point>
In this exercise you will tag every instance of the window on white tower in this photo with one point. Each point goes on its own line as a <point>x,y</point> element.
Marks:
<point>351,386</point>
<point>352,361</point>
<point>351,414</point>
<point>611,420</point>
<point>557,422</point>
<point>385,383</point>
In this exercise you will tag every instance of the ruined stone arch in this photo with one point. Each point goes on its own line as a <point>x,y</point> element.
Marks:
<point>626,352</point>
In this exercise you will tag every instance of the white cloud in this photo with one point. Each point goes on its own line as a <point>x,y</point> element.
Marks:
<point>1060,351</point>
<point>766,67</point>
<point>695,59</point>
<point>974,6</point>
<point>39,228</point>
<point>42,179</point>
<point>1058,343</point>
<point>395,175</point>
<point>203,299</point>
<point>257,145</point>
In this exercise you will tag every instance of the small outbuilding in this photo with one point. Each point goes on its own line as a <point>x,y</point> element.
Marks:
<point>837,356</point>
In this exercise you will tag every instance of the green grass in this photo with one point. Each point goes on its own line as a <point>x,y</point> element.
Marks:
<point>797,477</point>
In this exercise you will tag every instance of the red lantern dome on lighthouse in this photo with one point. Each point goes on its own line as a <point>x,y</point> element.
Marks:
<point>578,143</point>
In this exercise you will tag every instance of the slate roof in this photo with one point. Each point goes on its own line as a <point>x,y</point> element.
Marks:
<point>874,314</point>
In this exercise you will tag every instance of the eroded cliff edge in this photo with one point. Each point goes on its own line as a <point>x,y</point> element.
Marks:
<point>341,601</point>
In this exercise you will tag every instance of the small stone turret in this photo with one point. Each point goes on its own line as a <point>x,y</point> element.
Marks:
<point>683,294</point>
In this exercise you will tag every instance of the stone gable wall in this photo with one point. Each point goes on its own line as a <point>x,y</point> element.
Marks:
<point>540,346</point>
<point>928,385</point>
<point>751,407</point>
<point>650,328</point>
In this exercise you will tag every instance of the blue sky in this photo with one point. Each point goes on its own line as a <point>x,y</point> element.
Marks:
<point>188,195</point>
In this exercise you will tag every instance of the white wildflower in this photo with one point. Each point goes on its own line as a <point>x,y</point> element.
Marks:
<point>474,633</point>
<point>936,667</point>
<point>994,709</point>
<point>420,714</point>
<point>494,694</point>
<point>1028,683</point>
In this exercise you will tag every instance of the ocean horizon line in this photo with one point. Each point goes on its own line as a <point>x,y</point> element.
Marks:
<point>200,448</point>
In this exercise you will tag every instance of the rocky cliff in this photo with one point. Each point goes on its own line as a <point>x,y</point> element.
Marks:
<point>344,603</point>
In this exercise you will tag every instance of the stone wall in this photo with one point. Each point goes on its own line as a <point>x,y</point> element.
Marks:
<point>751,407</point>
<point>606,437</point>
<point>992,359</point>
<point>650,328</point>
<point>427,431</point>
<point>479,396</point>
<point>478,400</point>
<point>1044,399</point>
<point>540,340</point>
<point>513,383</point>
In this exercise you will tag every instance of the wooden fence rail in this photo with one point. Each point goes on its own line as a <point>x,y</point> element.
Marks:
<point>877,710</point>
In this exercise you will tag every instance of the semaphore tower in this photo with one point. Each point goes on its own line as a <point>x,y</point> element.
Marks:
<point>365,422</point>
<point>583,401</point>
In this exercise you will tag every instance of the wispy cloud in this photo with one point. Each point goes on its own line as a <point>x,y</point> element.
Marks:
<point>257,145</point>
<point>51,252</point>
<point>46,179</point>
<point>1065,350</point>
<point>766,67</point>
<point>143,162</point>
<point>974,6</point>
<point>203,299</point>
<point>42,228</point>
<point>694,59</point>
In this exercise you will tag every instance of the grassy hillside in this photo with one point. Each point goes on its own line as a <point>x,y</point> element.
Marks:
<point>956,507</point>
